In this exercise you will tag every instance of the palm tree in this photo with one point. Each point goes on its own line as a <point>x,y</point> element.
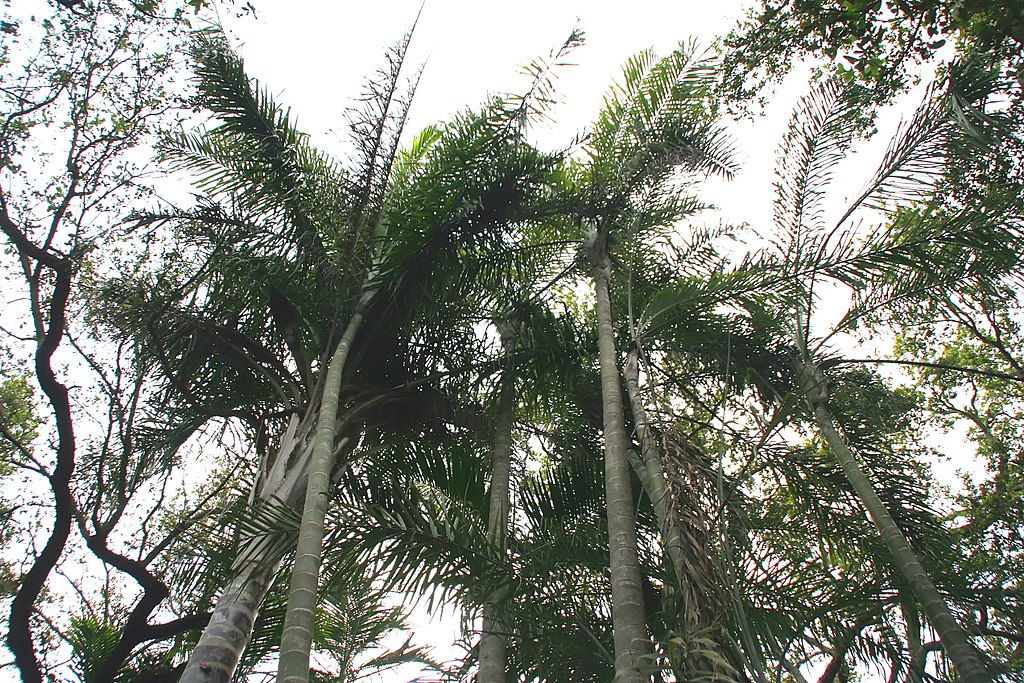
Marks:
<point>653,124</point>
<point>258,160</point>
<point>819,133</point>
<point>281,180</point>
<point>922,140</point>
<point>387,242</point>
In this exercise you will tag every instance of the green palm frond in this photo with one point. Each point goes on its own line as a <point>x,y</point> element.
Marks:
<point>569,490</point>
<point>657,120</point>
<point>820,131</point>
<point>898,256</point>
<point>468,188</point>
<point>421,541</point>
<point>242,532</point>
<point>539,97</point>
<point>949,121</point>
<point>92,640</point>
<point>917,157</point>
<point>354,619</point>
<point>409,159</point>
<point>920,252</point>
<point>562,610</point>
<point>226,90</point>
<point>416,512</point>
<point>256,152</point>
<point>692,300</point>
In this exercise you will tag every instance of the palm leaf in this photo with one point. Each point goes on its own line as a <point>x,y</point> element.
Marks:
<point>820,131</point>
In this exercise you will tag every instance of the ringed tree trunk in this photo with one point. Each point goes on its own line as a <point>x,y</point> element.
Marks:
<point>954,640</point>
<point>225,638</point>
<point>628,619</point>
<point>297,636</point>
<point>495,627</point>
<point>223,641</point>
<point>216,656</point>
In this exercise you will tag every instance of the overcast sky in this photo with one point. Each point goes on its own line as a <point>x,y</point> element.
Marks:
<point>313,48</point>
<point>315,55</point>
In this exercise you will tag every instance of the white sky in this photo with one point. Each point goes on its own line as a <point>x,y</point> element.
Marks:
<point>314,56</point>
<point>305,50</point>
<point>315,59</point>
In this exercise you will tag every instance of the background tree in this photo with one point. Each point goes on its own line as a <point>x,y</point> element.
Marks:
<point>881,44</point>
<point>81,92</point>
<point>975,331</point>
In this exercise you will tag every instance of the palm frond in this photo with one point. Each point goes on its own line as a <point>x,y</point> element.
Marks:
<point>657,121</point>
<point>539,97</point>
<point>422,541</point>
<point>376,129</point>
<point>820,131</point>
<point>950,121</point>
<point>916,156</point>
<point>261,145</point>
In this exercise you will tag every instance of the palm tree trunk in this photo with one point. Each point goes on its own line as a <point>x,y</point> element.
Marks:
<point>628,620</point>
<point>953,638</point>
<point>225,638</point>
<point>915,667</point>
<point>654,474</point>
<point>297,636</point>
<point>216,656</point>
<point>493,638</point>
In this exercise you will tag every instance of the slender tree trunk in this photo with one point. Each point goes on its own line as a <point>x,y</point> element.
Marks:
<point>225,638</point>
<point>915,668</point>
<point>297,636</point>
<point>493,636</point>
<point>628,620</point>
<point>654,474</point>
<point>953,638</point>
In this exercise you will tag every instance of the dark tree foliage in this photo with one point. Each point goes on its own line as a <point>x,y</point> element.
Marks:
<point>881,43</point>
